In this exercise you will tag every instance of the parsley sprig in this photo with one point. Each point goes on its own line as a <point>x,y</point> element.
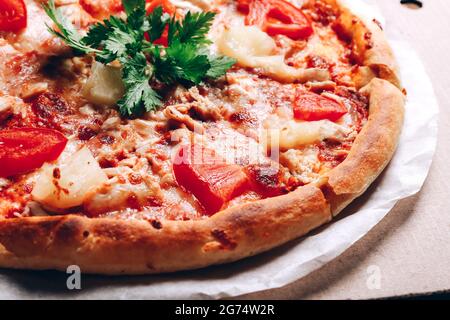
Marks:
<point>186,60</point>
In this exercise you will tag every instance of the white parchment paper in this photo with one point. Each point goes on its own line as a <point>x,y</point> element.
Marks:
<point>403,177</point>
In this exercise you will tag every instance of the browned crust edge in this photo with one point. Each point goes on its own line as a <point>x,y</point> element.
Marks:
<point>109,246</point>
<point>370,43</point>
<point>373,148</point>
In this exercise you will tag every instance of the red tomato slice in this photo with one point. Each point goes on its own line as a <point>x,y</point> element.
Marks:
<point>169,8</point>
<point>101,9</point>
<point>288,13</point>
<point>293,31</point>
<point>25,149</point>
<point>13,15</point>
<point>290,20</point>
<point>206,175</point>
<point>311,107</point>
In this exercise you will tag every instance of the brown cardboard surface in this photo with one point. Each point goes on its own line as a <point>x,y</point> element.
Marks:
<point>409,251</point>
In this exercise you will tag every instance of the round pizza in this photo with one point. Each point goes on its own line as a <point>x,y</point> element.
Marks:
<point>162,135</point>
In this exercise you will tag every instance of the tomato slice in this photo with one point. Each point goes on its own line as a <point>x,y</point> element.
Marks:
<point>25,149</point>
<point>13,15</point>
<point>311,106</point>
<point>206,175</point>
<point>169,8</point>
<point>101,8</point>
<point>293,31</point>
<point>276,17</point>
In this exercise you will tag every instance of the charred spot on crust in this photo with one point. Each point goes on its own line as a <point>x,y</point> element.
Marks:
<point>223,239</point>
<point>68,229</point>
<point>86,234</point>
<point>156,224</point>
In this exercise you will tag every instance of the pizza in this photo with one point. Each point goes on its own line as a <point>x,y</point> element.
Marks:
<point>142,137</point>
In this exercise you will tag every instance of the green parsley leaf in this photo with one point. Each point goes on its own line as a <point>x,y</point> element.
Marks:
<point>139,96</point>
<point>96,34</point>
<point>158,22</point>
<point>132,5</point>
<point>118,41</point>
<point>186,60</point>
<point>181,63</point>
<point>114,37</point>
<point>193,29</point>
<point>136,17</point>
<point>219,66</point>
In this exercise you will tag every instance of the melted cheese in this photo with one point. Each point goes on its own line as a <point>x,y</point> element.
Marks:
<point>254,48</point>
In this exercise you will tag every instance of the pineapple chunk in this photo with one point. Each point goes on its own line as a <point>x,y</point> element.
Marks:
<point>104,86</point>
<point>65,184</point>
<point>294,134</point>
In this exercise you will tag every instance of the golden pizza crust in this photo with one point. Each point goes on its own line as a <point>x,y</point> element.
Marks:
<point>113,246</point>
<point>373,148</point>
